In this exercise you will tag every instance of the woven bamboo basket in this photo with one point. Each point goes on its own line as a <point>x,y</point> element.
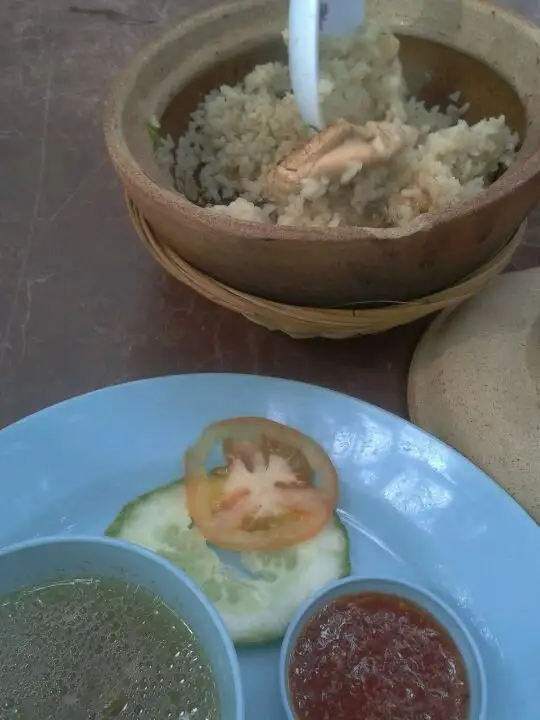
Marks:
<point>305,322</point>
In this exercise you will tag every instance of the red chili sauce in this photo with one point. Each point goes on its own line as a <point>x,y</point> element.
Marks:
<point>374,656</point>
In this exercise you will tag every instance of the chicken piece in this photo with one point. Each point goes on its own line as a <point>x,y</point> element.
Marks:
<point>332,153</point>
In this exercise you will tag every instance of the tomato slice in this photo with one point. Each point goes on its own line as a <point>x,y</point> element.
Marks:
<point>277,487</point>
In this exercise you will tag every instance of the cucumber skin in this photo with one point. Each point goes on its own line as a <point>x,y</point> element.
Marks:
<point>123,516</point>
<point>348,566</point>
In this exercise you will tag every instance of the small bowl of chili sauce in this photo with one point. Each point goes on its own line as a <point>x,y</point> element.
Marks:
<point>380,649</point>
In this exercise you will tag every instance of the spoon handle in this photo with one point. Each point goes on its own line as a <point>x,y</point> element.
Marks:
<point>307,19</point>
<point>304,21</point>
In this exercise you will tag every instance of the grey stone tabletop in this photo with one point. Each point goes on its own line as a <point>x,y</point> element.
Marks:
<point>82,304</point>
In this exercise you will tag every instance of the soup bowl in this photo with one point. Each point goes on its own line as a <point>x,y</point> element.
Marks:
<point>51,560</point>
<point>488,53</point>
<point>426,601</point>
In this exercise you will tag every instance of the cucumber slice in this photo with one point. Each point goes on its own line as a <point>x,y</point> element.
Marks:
<point>257,602</point>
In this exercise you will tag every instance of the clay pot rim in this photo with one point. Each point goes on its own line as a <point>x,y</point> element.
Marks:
<point>525,167</point>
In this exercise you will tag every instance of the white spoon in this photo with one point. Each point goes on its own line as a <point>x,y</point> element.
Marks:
<point>307,20</point>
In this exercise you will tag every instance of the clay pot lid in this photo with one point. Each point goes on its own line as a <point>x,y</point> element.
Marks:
<point>474,382</point>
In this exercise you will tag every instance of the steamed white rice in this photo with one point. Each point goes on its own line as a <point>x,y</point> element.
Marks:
<point>238,134</point>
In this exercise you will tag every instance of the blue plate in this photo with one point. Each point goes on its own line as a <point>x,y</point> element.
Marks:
<point>414,508</point>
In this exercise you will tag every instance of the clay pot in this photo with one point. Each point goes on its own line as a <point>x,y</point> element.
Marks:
<point>491,54</point>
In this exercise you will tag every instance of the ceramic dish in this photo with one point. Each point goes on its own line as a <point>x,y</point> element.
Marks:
<point>474,382</point>
<point>51,560</point>
<point>427,601</point>
<point>415,510</point>
<point>445,46</point>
